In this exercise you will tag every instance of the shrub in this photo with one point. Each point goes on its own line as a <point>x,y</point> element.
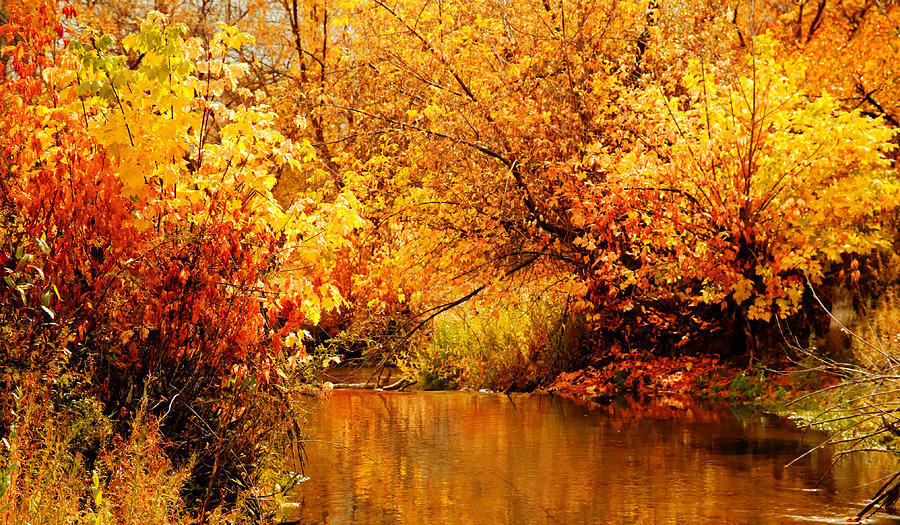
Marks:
<point>141,270</point>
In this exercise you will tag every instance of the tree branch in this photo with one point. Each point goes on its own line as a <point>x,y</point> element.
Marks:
<point>867,96</point>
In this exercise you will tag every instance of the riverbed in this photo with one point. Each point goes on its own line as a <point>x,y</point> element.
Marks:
<point>481,458</point>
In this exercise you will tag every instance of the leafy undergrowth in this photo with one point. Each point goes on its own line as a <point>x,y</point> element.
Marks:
<point>684,378</point>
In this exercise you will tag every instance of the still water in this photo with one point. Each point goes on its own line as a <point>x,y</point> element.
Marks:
<point>472,458</point>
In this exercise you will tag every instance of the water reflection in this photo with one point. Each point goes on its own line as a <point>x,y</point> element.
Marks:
<point>453,457</point>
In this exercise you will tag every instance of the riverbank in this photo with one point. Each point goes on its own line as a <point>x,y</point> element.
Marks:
<point>642,375</point>
<point>637,375</point>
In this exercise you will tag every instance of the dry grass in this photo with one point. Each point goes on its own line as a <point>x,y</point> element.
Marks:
<point>48,480</point>
<point>514,344</point>
<point>879,331</point>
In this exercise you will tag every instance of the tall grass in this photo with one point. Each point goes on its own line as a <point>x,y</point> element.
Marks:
<point>516,344</point>
<point>879,330</point>
<point>49,476</point>
<point>60,465</point>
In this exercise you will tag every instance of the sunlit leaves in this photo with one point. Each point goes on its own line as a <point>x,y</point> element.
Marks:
<point>673,158</point>
<point>787,179</point>
<point>164,170</point>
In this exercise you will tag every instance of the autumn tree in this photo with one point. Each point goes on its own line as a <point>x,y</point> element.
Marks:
<point>851,50</point>
<point>489,139</point>
<point>530,133</point>
<point>145,259</point>
<point>775,187</point>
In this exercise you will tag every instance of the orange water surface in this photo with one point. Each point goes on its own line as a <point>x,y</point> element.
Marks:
<point>479,458</point>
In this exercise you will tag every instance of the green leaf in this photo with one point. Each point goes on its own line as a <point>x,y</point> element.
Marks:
<point>5,478</point>
<point>105,42</point>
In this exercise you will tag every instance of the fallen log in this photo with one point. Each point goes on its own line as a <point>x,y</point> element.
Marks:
<point>396,385</point>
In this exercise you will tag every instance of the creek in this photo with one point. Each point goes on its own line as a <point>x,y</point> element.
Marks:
<point>478,458</point>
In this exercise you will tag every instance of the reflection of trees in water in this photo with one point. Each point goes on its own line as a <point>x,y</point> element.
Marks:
<point>451,457</point>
